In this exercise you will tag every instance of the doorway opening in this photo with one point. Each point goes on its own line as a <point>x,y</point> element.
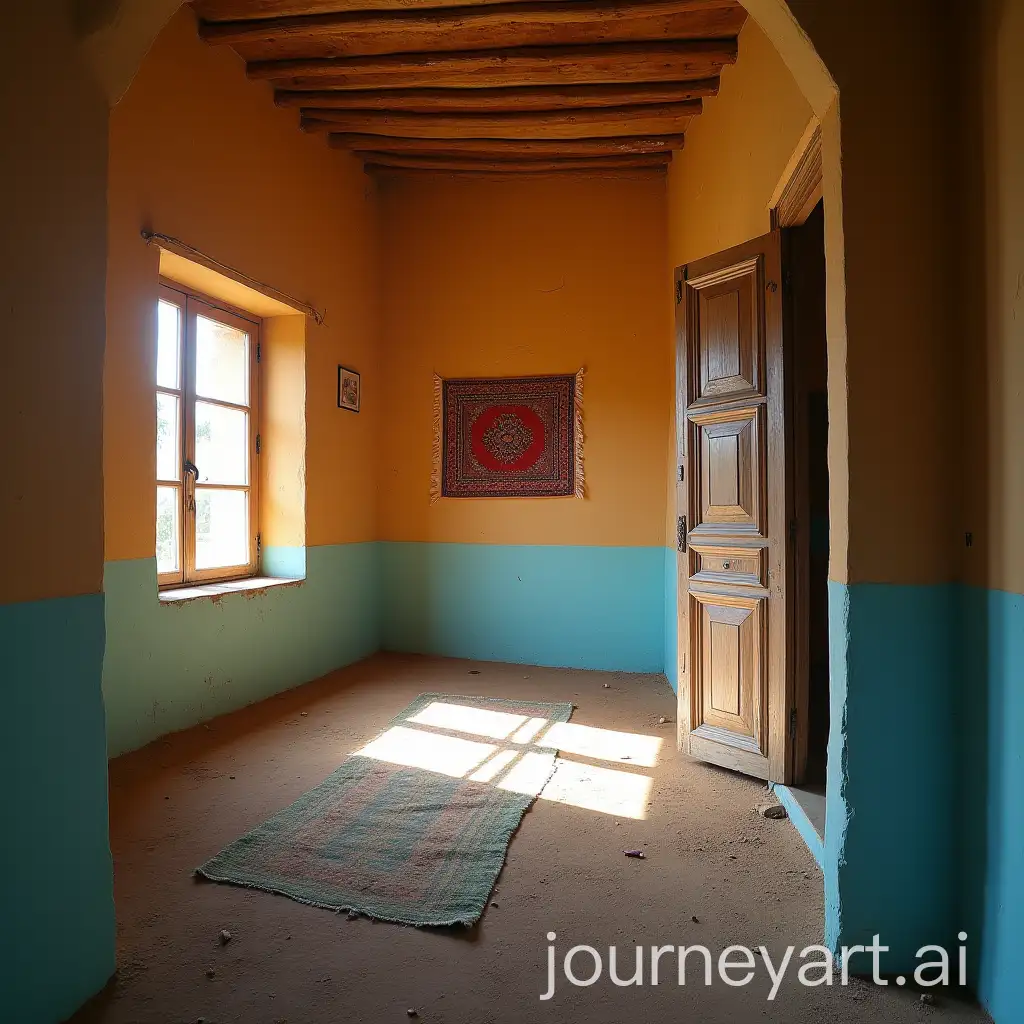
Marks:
<point>804,275</point>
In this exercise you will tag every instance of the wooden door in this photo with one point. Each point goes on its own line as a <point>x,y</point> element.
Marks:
<point>733,497</point>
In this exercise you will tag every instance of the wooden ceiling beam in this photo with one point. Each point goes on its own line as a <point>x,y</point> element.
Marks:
<point>583,123</point>
<point>509,148</point>
<point>519,66</point>
<point>543,97</point>
<point>374,162</point>
<point>531,23</point>
<point>469,163</point>
<point>246,10</point>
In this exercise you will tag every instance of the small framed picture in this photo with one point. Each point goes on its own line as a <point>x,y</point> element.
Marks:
<point>348,389</point>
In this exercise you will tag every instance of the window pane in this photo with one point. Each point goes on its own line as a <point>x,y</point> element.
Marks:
<point>167,554</point>
<point>168,436</point>
<point>222,362</point>
<point>222,528</point>
<point>222,444</point>
<point>168,345</point>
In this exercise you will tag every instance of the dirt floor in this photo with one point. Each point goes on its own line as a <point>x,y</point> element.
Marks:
<point>716,873</point>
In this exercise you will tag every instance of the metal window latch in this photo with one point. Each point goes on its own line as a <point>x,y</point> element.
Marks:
<point>681,533</point>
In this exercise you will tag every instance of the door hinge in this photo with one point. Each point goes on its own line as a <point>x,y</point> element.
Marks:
<point>259,443</point>
<point>792,723</point>
<point>259,351</point>
<point>681,533</point>
<point>679,290</point>
<point>682,473</point>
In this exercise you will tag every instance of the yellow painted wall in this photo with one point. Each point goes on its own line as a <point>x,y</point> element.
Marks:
<point>992,281</point>
<point>200,153</point>
<point>51,311</point>
<point>518,276</point>
<point>720,186</point>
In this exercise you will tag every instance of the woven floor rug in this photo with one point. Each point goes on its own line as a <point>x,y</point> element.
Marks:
<point>413,827</point>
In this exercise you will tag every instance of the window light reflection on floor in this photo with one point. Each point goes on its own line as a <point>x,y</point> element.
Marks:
<point>496,724</point>
<point>608,790</point>
<point>511,764</point>
<point>416,748</point>
<point>601,744</point>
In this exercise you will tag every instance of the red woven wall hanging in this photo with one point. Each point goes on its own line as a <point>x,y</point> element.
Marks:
<point>508,437</point>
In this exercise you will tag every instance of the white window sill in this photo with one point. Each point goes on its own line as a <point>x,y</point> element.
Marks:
<point>215,590</point>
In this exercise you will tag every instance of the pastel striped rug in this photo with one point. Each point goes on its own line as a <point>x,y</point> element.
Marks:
<point>413,827</point>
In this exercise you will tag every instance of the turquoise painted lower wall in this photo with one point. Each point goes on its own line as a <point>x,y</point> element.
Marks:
<point>169,666</point>
<point>890,837</point>
<point>566,606</point>
<point>991,796</point>
<point>56,877</point>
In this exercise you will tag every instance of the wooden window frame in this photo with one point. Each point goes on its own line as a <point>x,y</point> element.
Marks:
<point>192,305</point>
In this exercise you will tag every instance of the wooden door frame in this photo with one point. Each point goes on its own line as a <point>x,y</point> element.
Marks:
<point>800,188</point>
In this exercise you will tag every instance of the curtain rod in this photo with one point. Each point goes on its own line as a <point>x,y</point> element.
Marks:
<point>180,248</point>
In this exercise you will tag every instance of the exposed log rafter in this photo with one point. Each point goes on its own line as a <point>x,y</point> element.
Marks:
<point>619,63</point>
<point>508,98</point>
<point>544,23</point>
<point>512,148</point>
<point>504,165</point>
<point>667,119</point>
<point>251,10</point>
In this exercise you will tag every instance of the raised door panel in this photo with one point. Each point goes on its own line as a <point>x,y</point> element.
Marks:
<point>730,351</point>
<point>729,471</point>
<point>730,688</point>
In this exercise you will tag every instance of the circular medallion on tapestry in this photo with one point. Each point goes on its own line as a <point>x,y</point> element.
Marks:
<point>508,438</point>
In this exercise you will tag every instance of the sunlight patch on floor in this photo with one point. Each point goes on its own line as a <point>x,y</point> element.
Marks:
<point>490,770</point>
<point>414,748</point>
<point>459,718</point>
<point>520,760</point>
<point>602,744</point>
<point>529,731</point>
<point>622,794</point>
